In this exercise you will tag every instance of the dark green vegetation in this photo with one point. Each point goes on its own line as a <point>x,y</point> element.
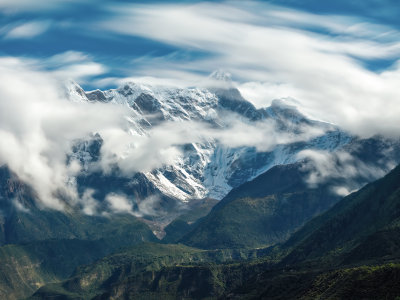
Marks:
<point>364,225</point>
<point>22,221</point>
<point>25,268</point>
<point>150,271</point>
<point>41,246</point>
<point>268,209</point>
<point>261,212</point>
<point>361,282</point>
<point>184,223</point>
<point>350,252</point>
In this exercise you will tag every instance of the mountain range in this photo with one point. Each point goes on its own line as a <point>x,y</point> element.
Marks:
<point>212,166</point>
<point>226,218</point>
<point>349,252</point>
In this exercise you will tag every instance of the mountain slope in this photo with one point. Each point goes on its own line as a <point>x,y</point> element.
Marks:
<point>21,220</point>
<point>183,224</point>
<point>324,261</point>
<point>350,252</point>
<point>354,225</point>
<point>263,211</point>
<point>25,268</point>
<point>269,208</point>
<point>42,245</point>
<point>149,271</point>
<point>211,168</point>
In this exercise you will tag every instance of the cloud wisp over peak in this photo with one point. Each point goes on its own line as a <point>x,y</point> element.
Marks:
<point>321,60</point>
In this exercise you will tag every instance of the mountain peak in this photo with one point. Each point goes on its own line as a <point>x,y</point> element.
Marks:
<point>74,92</point>
<point>283,103</point>
<point>221,75</point>
<point>284,107</point>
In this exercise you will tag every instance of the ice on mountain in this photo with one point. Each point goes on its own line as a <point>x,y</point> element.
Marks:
<point>209,169</point>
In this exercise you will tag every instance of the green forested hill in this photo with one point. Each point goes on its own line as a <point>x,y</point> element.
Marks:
<point>365,219</point>
<point>154,271</point>
<point>261,212</point>
<point>350,252</point>
<point>185,222</point>
<point>40,246</point>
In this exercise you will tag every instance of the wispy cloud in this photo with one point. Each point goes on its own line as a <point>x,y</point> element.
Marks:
<point>321,62</point>
<point>39,126</point>
<point>119,203</point>
<point>342,167</point>
<point>161,144</point>
<point>28,30</point>
<point>69,65</point>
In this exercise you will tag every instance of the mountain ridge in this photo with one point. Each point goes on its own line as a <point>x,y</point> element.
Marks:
<point>209,168</point>
<point>307,276</point>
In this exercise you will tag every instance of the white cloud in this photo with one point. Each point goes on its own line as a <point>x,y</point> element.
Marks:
<point>69,65</point>
<point>161,144</point>
<point>119,203</point>
<point>275,47</point>
<point>90,205</point>
<point>28,30</point>
<point>19,206</point>
<point>38,126</point>
<point>262,94</point>
<point>80,71</point>
<point>146,207</point>
<point>67,57</point>
<point>341,191</point>
<point>323,166</point>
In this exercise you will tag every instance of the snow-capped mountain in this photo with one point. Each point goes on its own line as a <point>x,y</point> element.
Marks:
<point>210,168</point>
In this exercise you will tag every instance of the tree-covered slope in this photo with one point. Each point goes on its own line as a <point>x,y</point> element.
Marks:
<point>25,268</point>
<point>269,208</point>
<point>262,212</point>
<point>184,223</point>
<point>22,220</point>
<point>350,252</point>
<point>359,223</point>
<point>43,245</point>
<point>154,271</point>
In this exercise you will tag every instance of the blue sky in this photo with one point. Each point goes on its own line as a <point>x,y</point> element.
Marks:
<point>41,29</point>
<point>339,59</point>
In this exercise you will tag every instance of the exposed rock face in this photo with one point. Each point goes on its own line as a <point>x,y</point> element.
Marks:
<point>210,168</point>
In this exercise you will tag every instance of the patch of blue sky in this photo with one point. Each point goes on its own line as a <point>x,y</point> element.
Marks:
<point>383,11</point>
<point>73,28</point>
